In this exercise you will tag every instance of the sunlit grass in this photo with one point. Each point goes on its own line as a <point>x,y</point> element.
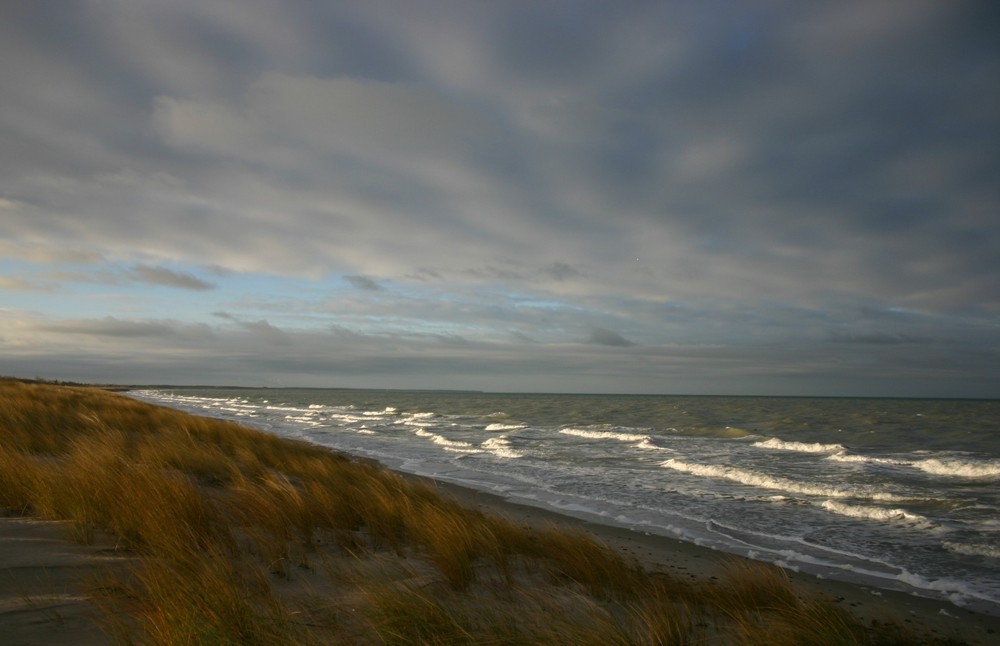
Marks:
<point>246,538</point>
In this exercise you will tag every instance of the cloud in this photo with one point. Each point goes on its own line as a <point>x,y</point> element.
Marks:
<point>266,331</point>
<point>22,285</point>
<point>261,329</point>
<point>112,327</point>
<point>633,149</point>
<point>562,271</point>
<point>363,283</point>
<point>878,338</point>
<point>167,277</point>
<point>601,336</point>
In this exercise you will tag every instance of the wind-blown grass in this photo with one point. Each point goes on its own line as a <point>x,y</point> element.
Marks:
<point>247,538</point>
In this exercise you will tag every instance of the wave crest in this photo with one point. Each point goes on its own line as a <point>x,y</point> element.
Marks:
<point>991,551</point>
<point>500,447</point>
<point>960,468</point>
<point>505,427</point>
<point>604,435</point>
<point>877,513</point>
<point>801,447</point>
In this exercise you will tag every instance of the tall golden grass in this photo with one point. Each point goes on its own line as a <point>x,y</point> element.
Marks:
<point>246,538</point>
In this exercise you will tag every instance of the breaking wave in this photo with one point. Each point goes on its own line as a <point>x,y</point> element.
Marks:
<point>500,447</point>
<point>802,447</point>
<point>604,435</point>
<point>445,443</point>
<point>844,456</point>
<point>960,468</point>
<point>990,551</point>
<point>877,513</point>
<point>506,427</point>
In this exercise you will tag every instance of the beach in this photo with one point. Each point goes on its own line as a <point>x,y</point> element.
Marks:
<point>134,472</point>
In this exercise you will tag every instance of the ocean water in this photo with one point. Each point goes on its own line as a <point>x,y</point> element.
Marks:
<point>901,494</point>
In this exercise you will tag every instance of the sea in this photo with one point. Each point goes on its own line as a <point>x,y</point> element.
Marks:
<point>900,494</point>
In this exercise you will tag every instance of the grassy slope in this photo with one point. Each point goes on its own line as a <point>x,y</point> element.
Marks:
<point>247,538</point>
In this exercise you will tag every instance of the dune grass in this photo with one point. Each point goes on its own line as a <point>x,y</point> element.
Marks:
<point>246,538</point>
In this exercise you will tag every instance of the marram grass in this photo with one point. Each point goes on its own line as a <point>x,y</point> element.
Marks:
<point>246,538</point>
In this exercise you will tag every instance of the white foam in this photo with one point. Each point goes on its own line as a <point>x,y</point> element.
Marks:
<point>500,447</point>
<point>990,551</point>
<point>801,447</point>
<point>764,481</point>
<point>505,427</point>
<point>418,423</point>
<point>303,419</point>
<point>818,554</point>
<point>604,435</point>
<point>844,456</point>
<point>347,418</point>
<point>877,513</point>
<point>389,410</point>
<point>958,592</point>
<point>445,443</point>
<point>959,468</point>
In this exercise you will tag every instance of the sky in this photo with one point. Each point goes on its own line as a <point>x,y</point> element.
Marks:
<point>712,197</point>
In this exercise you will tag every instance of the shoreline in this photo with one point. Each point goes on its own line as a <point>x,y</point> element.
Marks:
<point>930,618</point>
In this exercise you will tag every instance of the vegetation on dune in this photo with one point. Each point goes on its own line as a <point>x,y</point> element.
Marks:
<point>246,538</point>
